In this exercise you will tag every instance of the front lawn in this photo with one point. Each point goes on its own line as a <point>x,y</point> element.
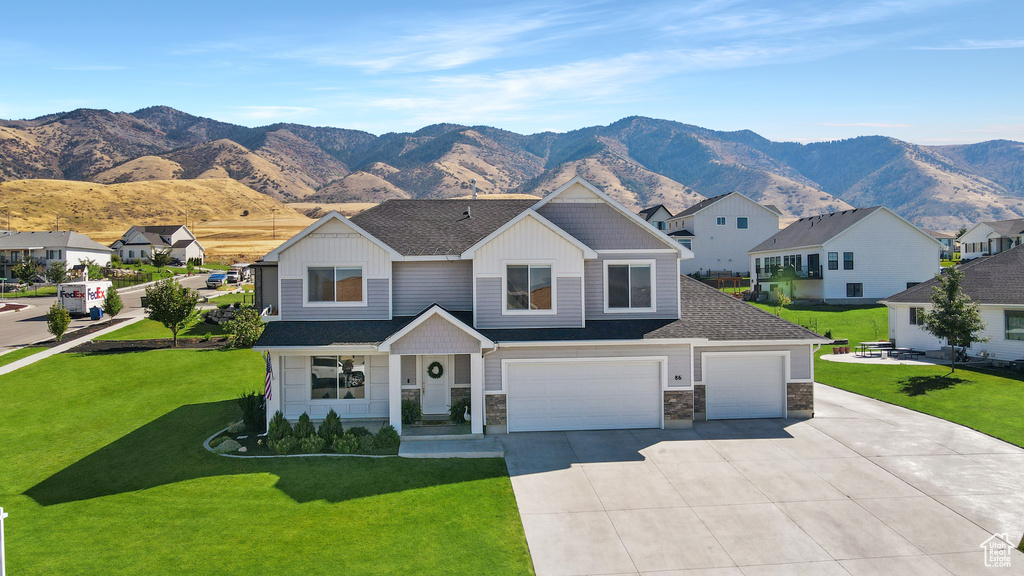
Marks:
<point>15,355</point>
<point>147,329</point>
<point>32,292</point>
<point>986,400</point>
<point>103,472</point>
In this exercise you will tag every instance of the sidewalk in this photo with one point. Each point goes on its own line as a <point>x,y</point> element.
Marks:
<point>65,346</point>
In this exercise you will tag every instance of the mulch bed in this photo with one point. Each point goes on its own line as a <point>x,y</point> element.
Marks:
<point>6,307</point>
<point>71,335</point>
<point>124,346</point>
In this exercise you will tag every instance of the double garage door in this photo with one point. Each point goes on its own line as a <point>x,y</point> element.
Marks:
<point>591,394</point>
<point>745,385</point>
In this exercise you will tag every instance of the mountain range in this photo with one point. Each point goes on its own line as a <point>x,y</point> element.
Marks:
<point>639,161</point>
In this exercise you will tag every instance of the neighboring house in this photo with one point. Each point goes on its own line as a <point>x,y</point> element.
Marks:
<point>850,257</point>
<point>991,238</point>
<point>948,242</point>
<point>45,247</point>
<point>656,216</point>
<point>720,230</point>
<point>562,313</point>
<point>139,242</point>
<point>994,283</point>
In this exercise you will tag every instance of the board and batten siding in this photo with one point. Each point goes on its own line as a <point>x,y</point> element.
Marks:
<point>334,242</point>
<point>436,335</point>
<point>800,358</point>
<point>600,226</point>
<point>725,247</point>
<point>666,287</point>
<point>490,302</point>
<point>528,241</point>
<point>378,303</point>
<point>296,389</point>
<point>417,285</point>
<point>678,359</point>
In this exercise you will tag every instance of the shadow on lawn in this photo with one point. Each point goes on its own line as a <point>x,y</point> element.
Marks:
<point>169,449</point>
<point>921,385</point>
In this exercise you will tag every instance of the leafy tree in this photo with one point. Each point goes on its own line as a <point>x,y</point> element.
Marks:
<point>93,270</point>
<point>160,258</point>
<point>190,267</point>
<point>961,231</point>
<point>57,321</point>
<point>245,327</point>
<point>955,316</point>
<point>172,305</point>
<point>57,273</point>
<point>112,304</point>
<point>26,271</point>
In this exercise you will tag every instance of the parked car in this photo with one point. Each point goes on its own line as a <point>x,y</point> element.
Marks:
<point>216,280</point>
<point>232,277</point>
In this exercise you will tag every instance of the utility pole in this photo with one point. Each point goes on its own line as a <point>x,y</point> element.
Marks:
<point>273,216</point>
<point>57,229</point>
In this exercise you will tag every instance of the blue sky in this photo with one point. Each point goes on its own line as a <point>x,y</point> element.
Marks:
<point>927,71</point>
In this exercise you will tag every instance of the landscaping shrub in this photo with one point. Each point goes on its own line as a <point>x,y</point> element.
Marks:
<point>331,428</point>
<point>346,444</point>
<point>312,445</point>
<point>218,441</point>
<point>245,327</point>
<point>412,412</point>
<point>304,428</point>
<point>285,445</point>
<point>228,445</point>
<point>253,411</point>
<point>457,412</point>
<point>366,445</point>
<point>279,427</point>
<point>359,432</point>
<point>236,428</point>
<point>387,440</point>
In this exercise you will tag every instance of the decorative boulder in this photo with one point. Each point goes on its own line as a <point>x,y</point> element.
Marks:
<point>227,446</point>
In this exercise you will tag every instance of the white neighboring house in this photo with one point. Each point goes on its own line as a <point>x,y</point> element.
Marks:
<point>855,256</point>
<point>991,238</point>
<point>720,231</point>
<point>994,283</point>
<point>45,247</point>
<point>656,216</point>
<point>139,242</point>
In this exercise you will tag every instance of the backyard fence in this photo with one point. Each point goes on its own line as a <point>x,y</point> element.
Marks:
<point>131,279</point>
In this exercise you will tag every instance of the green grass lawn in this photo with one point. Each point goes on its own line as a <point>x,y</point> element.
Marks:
<point>18,354</point>
<point>103,472</point>
<point>33,292</point>
<point>147,329</point>
<point>986,400</point>
<point>243,297</point>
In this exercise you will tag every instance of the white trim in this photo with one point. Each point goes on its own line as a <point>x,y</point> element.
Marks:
<point>785,372</point>
<point>588,252</point>
<point>317,350</point>
<point>550,264</point>
<point>275,254</point>
<point>635,250</point>
<point>434,310</point>
<point>653,308</point>
<point>591,343</point>
<point>659,234</point>
<point>433,258</point>
<point>348,401</point>
<point>365,302</point>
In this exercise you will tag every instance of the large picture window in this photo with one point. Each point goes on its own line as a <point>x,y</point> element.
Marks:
<point>528,287</point>
<point>335,284</point>
<point>630,286</point>
<point>339,378</point>
<point>1014,324</point>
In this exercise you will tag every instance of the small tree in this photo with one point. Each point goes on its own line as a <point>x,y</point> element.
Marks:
<point>781,300</point>
<point>57,321</point>
<point>160,258</point>
<point>172,305</point>
<point>190,267</point>
<point>57,273</point>
<point>245,327</point>
<point>112,304</point>
<point>93,270</point>
<point>955,316</point>
<point>26,271</point>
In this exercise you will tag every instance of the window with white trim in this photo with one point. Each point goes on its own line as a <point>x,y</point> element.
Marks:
<point>334,284</point>
<point>742,223</point>
<point>687,243</point>
<point>338,378</point>
<point>630,286</point>
<point>720,221</point>
<point>1014,320</point>
<point>917,316</point>
<point>528,287</point>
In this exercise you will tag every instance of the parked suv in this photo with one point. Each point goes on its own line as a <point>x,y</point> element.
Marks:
<point>232,277</point>
<point>216,280</point>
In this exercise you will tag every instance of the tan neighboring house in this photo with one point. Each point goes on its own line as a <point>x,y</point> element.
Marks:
<point>139,243</point>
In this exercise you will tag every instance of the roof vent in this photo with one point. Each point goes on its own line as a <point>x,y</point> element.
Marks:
<point>468,212</point>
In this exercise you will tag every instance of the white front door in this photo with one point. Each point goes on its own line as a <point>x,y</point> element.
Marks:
<point>435,390</point>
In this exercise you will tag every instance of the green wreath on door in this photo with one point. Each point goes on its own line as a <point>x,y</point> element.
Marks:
<point>435,370</point>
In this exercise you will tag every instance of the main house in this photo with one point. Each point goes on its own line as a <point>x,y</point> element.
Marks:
<point>66,246</point>
<point>720,230</point>
<point>561,313</point>
<point>994,283</point>
<point>140,242</point>
<point>991,238</point>
<point>855,256</point>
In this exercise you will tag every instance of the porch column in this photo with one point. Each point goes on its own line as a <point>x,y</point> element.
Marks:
<point>276,391</point>
<point>395,391</point>
<point>476,391</point>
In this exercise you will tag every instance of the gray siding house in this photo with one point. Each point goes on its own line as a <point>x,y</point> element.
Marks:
<point>562,313</point>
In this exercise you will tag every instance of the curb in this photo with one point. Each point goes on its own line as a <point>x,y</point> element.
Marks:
<point>27,307</point>
<point>206,445</point>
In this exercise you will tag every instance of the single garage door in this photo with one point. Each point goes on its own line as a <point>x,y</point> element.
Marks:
<point>583,395</point>
<point>745,386</point>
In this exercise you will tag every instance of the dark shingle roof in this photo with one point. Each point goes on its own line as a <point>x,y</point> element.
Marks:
<point>995,279</point>
<point>707,313</point>
<point>437,227</point>
<point>648,213</point>
<point>1008,227</point>
<point>183,243</point>
<point>161,230</point>
<point>814,230</point>
<point>701,205</point>
<point>939,235</point>
<point>773,208</point>
<point>683,232</point>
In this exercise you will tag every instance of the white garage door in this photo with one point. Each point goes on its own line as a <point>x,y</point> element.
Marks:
<point>583,395</point>
<point>745,386</point>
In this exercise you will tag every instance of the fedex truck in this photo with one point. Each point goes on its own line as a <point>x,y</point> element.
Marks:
<point>78,297</point>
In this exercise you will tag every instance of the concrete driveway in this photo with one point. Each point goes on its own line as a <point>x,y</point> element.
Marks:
<point>863,488</point>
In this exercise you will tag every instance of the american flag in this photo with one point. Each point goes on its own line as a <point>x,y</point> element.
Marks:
<point>270,375</point>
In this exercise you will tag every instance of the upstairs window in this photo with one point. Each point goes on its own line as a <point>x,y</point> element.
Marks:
<point>630,286</point>
<point>833,260</point>
<point>687,243</point>
<point>847,260</point>
<point>662,225</point>
<point>528,287</point>
<point>917,316</point>
<point>335,284</point>
<point>720,221</point>
<point>53,254</point>
<point>741,222</point>
<point>1014,324</point>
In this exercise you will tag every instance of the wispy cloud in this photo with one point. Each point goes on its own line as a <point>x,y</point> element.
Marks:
<point>89,68</point>
<point>864,124</point>
<point>271,112</point>
<point>978,45</point>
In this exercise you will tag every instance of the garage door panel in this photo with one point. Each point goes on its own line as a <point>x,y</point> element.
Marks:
<point>584,395</point>
<point>740,386</point>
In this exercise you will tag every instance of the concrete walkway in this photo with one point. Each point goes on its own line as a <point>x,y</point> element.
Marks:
<point>487,447</point>
<point>864,488</point>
